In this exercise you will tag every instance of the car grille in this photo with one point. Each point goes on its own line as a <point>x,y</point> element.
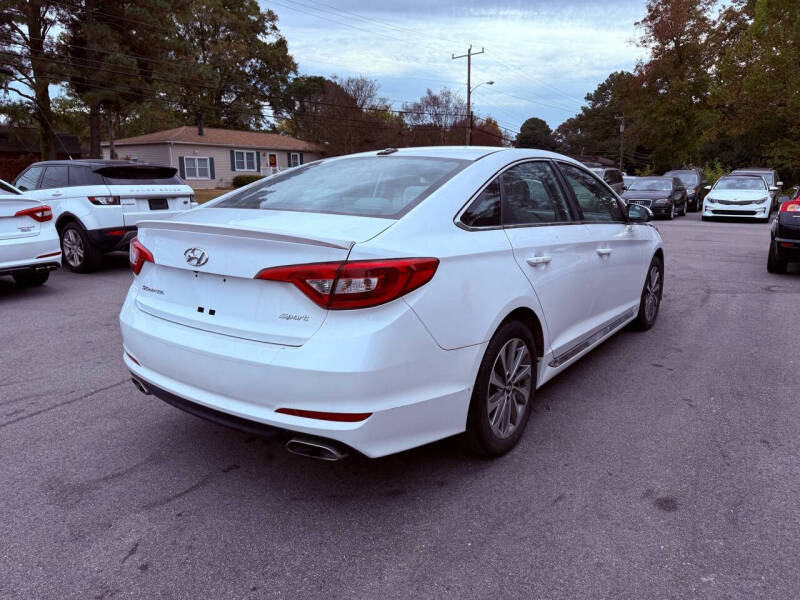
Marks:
<point>734,212</point>
<point>640,202</point>
<point>735,202</point>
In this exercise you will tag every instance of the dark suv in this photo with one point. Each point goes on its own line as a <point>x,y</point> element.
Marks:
<point>695,183</point>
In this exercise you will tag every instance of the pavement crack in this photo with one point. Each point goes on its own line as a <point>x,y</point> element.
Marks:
<point>66,402</point>
<point>171,498</point>
<point>131,552</point>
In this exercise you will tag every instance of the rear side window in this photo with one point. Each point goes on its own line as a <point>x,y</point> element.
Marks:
<point>139,175</point>
<point>367,186</point>
<point>82,176</point>
<point>55,176</point>
<point>597,203</point>
<point>485,209</point>
<point>532,195</point>
<point>28,180</point>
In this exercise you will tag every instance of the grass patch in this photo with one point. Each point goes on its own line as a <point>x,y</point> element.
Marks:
<point>203,196</point>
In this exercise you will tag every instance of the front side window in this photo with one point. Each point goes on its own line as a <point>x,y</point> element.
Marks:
<point>368,186</point>
<point>28,180</point>
<point>245,160</point>
<point>531,195</point>
<point>196,168</point>
<point>597,202</point>
<point>55,176</point>
<point>485,209</point>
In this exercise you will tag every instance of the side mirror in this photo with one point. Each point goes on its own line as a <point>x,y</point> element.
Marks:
<point>773,188</point>
<point>639,214</point>
<point>624,188</point>
<point>779,184</point>
<point>708,187</point>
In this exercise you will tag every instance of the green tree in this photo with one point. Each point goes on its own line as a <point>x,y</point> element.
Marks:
<point>535,133</point>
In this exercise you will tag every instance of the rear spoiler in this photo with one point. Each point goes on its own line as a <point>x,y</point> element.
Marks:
<point>277,236</point>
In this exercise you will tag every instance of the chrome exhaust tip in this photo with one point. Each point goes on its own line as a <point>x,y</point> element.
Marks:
<point>320,449</point>
<point>140,386</point>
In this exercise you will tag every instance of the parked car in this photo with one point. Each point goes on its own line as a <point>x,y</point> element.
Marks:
<point>745,196</point>
<point>612,176</point>
<point>772,180</point>
<point>665,196</point>
<point>385,300</point>
<point>695,182</point>
<point>97,203</point>
<point>784,244</point>
<point>28,239</point>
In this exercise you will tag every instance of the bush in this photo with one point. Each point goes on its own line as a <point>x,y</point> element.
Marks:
<point>714,172</point>
<point>241,180</point>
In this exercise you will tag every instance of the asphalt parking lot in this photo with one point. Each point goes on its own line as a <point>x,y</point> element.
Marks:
<point>662,465</point>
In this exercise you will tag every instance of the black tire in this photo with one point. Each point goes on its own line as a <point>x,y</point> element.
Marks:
<point>647,317</point>
<point>483,435</point>
<point>79,255</point>
<point>774,262</point>
<point>31,278</point>
<point>671,213</point>
<point>683,210</point>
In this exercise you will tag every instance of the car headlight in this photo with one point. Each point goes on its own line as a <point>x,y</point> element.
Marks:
<point>762,200</point>
<point>661,202</point>
<point>710,200</point>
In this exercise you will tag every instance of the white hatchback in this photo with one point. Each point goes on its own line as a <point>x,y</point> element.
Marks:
<point>28,239</point>
<point>384,300</point>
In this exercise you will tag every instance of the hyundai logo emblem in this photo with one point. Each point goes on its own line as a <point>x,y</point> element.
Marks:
<point>196,257</point>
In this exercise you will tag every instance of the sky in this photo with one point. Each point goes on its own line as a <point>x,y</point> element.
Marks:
<point>544,56</point>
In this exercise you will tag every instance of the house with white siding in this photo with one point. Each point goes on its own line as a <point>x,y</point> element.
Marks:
<point>211,158</point>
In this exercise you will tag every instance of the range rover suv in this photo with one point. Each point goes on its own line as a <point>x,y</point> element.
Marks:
<point>97,203</point>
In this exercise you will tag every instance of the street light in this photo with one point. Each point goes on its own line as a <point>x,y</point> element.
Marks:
<point>469,108</point>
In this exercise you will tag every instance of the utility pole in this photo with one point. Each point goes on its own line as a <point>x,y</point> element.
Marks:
<point>469,56</point>
<point>621,138</point>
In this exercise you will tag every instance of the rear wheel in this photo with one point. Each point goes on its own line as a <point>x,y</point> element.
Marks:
<point>31,278</point>
<point>651,295</point>
<point>78,252</point>
<point>774,262</point>
<point>504,390</point>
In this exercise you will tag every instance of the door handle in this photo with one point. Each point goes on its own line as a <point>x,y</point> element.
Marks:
<point>604,251</point>
<point>56,195</point>
<point>538,260</point>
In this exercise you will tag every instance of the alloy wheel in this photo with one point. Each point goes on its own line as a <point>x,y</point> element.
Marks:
<point>509,388</point>
<point>72,244</point>
<point>652,293</point>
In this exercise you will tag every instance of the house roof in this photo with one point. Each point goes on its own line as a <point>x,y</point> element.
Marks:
<point>221,137</point>
<point>25,140</point>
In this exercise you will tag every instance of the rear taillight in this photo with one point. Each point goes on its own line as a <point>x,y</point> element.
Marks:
<point>37,213</point>
<point>357,284</point>
<point>138,255</point>
<point>104,200</point>
<point>791,206</point>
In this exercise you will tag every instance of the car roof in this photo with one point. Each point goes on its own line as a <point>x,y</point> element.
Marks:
<point>95,163</point>
<point>740,174</point>
<point>753,170</point>
<point>696,171</point>
<point>655,177</point>
<point>470,153</point>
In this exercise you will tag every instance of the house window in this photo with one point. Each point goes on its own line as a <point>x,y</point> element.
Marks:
<point>244,160</point>
<point>197,168</point>
<point>294,159</point>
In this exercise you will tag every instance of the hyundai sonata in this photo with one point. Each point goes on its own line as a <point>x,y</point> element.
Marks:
<point>384,300</point>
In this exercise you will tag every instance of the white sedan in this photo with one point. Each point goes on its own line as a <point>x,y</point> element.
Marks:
<point>384,300</point>
<point>29,247</point>
<point>742,196</point>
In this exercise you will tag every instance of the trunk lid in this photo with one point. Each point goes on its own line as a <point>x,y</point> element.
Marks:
<point>141,202</point>
<point>206,261</point>
<point>11,226</point>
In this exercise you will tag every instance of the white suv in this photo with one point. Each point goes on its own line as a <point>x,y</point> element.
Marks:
<point>28,241</point>
<point>97,203</point>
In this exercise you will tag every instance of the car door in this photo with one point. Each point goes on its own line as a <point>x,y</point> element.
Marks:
<point>618,249</point>
<point>549,245</point>
<point>678,194</point>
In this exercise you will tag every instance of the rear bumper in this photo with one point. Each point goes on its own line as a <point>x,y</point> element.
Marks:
<point>111,238</point>
<point>47,264</point>
<point>788,249</point>
<point>414,391</point>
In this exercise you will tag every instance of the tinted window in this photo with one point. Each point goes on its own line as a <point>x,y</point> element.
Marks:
<point>651,185</point>
<point>55,176</point>
<point>368,186</point>
<point>139,175</point>
<point>688,178</point>
<point>485,209</point>
<point>531,195</point>
<point>27,181</point>
<point>84,176</point>
<point>597,203</point>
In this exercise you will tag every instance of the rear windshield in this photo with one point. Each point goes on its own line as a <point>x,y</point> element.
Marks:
<point>651,185</point>
<point>139,175</point>
<point>6,189</point>
<point>740,183</point>
<point>365,186</point>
